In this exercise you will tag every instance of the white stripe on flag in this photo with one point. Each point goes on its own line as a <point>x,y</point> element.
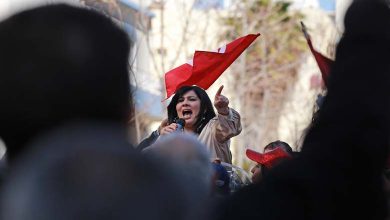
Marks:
<point>222,49</point>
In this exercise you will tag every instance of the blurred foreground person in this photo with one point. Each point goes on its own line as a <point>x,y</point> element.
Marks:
<point>274,153</point>
<point>79,173</point>
<point>184,152</point>
<point>339,172</point>
<point>66,102</point>
<point>59,65</point>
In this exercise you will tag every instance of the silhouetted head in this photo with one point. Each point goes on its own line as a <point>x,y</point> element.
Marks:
<point>190,157</point>
<point>58,64</point>
<point>353,127</point>
<point>194,105</point>
<point>359,80</point>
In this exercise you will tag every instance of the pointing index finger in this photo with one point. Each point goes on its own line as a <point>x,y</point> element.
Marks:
<point>219,91</point>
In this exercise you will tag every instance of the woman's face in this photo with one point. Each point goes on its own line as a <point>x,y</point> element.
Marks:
<point>188,107</point>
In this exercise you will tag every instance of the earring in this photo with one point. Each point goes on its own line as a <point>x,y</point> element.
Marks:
<point>203,118</point>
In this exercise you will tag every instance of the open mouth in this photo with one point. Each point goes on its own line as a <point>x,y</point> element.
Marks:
<point>187,113</point>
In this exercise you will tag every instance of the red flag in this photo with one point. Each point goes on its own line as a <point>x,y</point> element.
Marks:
<point>206,66</point>
<point>324,63</point>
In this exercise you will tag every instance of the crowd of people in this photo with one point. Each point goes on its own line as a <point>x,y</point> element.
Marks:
<point>66,100</point>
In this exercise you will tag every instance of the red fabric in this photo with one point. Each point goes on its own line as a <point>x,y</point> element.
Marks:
<point>207,66</point>
<point>324,63</point>
<point>267,159</point>
<point>175,76</point>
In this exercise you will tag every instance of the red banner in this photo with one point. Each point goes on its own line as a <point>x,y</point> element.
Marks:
<point>206,66</point>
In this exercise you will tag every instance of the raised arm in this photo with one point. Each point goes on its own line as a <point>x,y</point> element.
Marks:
<point>229,121</point>
<point>153,137</point>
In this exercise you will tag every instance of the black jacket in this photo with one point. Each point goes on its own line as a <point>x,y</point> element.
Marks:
<point>148,141</point>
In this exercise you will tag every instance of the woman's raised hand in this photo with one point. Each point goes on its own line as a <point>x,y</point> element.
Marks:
<point>164,123</point>
<point>221,103</point>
